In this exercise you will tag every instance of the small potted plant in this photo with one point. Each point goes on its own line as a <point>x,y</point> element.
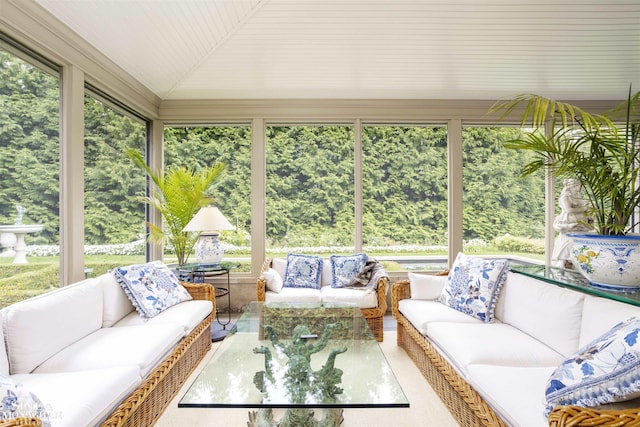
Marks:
<point>178,195</point>
<point>601,152</point>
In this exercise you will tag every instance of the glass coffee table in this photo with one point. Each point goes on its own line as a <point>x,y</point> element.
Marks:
<point>298,356</point>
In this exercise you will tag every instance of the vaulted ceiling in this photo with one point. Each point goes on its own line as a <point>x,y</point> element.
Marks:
<point>361,49</point>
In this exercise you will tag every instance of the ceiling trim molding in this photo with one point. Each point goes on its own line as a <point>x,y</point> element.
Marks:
<point>340,110</point>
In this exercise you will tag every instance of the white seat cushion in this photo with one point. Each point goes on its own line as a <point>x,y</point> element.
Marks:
<point>515,393</point>
<point>496,344</point>
<point>141,346</point>
<point>82,398</point>
<point>294,295</point>
<point>188,314</point>
<point>363,298</point>
<point>421,313</point>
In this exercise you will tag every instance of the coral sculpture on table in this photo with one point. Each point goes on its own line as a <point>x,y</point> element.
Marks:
<point>300,380</point>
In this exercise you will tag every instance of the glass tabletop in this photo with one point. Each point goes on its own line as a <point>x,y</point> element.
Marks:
<point>303,355</point>
<point>575,280</point>
<point>207,268</point>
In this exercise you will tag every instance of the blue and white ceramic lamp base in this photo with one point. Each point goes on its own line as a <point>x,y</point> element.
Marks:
<point>208,249</point>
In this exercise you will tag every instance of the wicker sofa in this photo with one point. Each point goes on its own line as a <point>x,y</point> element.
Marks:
<point>91,359</point>
<point>495,374</point>
<point>372,303</point>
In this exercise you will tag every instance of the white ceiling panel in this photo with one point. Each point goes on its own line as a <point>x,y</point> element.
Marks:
<point>417,49</point>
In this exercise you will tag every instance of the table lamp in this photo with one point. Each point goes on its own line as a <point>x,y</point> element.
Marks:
<point>209,221</point>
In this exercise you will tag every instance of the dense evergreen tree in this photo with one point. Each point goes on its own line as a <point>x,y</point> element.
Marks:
<point>29,146</point>
<point>309,179</point>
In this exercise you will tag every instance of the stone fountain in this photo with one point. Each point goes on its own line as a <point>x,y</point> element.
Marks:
<point>12,237</point>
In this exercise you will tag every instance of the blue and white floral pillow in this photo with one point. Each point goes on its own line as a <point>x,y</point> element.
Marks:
<point>606,370</point>
<point>303,271</point>
<point>474,284</point>
<point>345,268</point>
<point>17,402</point>
<point>151,287</point>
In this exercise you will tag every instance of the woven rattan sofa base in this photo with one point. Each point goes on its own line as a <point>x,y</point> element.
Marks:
<point>373,316</point>
<point>466,406</point>
<point>576,416</point>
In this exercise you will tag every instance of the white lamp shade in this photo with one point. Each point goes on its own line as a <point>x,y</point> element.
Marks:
<point>208,218</point>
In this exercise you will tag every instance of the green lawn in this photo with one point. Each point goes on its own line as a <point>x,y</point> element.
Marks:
<point>42,274</point>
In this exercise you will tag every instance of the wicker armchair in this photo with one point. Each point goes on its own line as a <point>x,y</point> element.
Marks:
<point>374,316</point>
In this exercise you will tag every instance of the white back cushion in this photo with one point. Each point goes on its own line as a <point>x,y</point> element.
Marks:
<point>116,305</point>
<point>38,328</point>
<point>279,265</point>
<point>327,273</point>
<point>426,286</point>
<point>4,360</point>
<point>363,298</point>
<point>601,314</point>
<point>545,311</point>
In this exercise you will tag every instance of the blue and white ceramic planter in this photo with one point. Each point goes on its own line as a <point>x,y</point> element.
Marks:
<point>609,262</point>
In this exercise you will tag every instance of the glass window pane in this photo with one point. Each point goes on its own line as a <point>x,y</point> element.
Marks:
<point>503,213</point>
<point>310,195</point>
<point>200,146</point>
<point>405,195</point>
<point>29,176</point>
<point>114,215</point>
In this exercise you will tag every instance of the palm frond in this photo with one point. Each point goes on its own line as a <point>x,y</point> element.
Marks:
<point>594,148</point>
<point>178,194</point>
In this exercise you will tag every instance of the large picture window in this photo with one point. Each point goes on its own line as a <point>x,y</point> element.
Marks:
<point>503,213</point>
<point>198,146</point>
<point>310,190</point>
<point>404,170</point>
<point>114,215</point>
<point>29,174</point>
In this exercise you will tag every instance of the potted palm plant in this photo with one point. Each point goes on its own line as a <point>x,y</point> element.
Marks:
<point>178,195</point>
<point>601,152</point>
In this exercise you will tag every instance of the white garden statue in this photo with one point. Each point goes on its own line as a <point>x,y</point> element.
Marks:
<point>573,218</point>
<point>21,212</point>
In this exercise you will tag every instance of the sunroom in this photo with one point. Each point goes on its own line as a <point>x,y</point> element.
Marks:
<point>342,127</point>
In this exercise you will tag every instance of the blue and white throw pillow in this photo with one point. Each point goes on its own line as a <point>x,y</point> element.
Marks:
<point>303,271</point>
<point>151,287</point>
<point>17,402</point>
<point>345,267</point>
<point>606,370</point>
<point>473,286</point>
